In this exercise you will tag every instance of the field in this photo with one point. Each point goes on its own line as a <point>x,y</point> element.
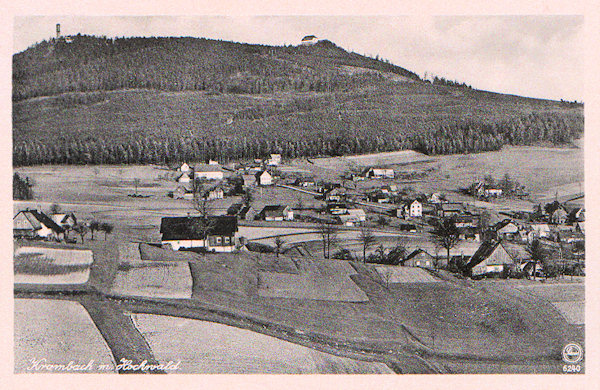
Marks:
<point>42,265</point>
<point>396,274</point>
<point>568,298</point>
<point>209,348</point>
<point>158,279</point>
<point>58,332</point>
<point>317,279</point>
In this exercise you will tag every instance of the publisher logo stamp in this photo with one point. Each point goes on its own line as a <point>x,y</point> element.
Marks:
<point>572,353</point>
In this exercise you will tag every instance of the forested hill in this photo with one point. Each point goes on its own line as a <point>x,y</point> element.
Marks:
<point>166,100</point>
<point>176,64</point>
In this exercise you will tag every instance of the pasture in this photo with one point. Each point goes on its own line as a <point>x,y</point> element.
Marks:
<point>568,298</point>
<point>58,332</point>
<point>157,279</point>
<point>399,274</point>
<point>43,265</point>
<point>211,348</point>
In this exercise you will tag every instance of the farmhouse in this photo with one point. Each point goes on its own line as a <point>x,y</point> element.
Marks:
<point>419,258</point>
<point>380,173</point>
<point>64,220</point>
<point>189,232</point>
<point>263,178</point>
<point>466,221</point>
<point>335,195</point>
<point>559,216</point>
<point>183,192</point>
<point>468,234</point>
<point>447,210</point>
<point>436,197</point>
<point>309,40</point>
<point>491,256</point>
<point>33,223</point>
<point>215,193</point>
<point>506,230</point>
<point>337,208</point>
<point>184,167</point>
<point>353,217</point>
<point>413,209</point>
<point>184,178</point>
<point>208,172</point>
<point>577,215</point>
<point>276,213</point>
<point>275,160</point>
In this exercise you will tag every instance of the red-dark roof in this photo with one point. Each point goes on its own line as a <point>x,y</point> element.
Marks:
<point>186,228</point>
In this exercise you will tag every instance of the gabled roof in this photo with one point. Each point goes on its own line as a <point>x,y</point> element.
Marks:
<point>185,228</point>
<point>274,210</point>
<point>415,253</point>
<point>485,250</point>
<point>37,218</point>
<point>260,173</point>
<point>61,218</point>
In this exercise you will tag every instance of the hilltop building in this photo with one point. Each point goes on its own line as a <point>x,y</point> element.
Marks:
<point>186,232</point>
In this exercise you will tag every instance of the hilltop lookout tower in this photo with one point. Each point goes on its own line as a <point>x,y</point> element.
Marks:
<point>57,30</point>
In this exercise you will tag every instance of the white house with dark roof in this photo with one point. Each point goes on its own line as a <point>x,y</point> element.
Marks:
<point>189,232</point>
<point>208,172</point>
<point>264,178</point>
<point>276,213</point>
<point>33,223</point>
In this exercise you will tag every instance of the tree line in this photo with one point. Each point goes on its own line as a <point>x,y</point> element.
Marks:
<point>465,136</point>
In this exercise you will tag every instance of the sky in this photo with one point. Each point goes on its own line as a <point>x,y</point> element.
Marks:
<point>537,56</point>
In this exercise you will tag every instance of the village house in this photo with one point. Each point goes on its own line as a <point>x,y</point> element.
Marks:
<point>263,178</point>
<point>335,195</point>
<point>304,182</point>
<point>208,172</point>
<point>378,197</point>
<point>184,178</point>
<point>466,221</point>
<point>507,230</point>
<point>412,209</point>
<point>469,234</point>
<point>187,232</point>
<point>33,223</point>
<point>64,220</point>
<point>447,210</point>
<point>276,213</point>
<point>275,160</point>
<point>183,192</point>
<point>483,190</point>
<point>539,230</point>
<point>380,173</point>
<point>215,193</point>
<point>212,162</point>
<point>353,217</point>
<point>559,216</point>
<point>337,208</point>
<point>435,197</point>
<point>577,215</point>
<point>580,227</point>
<point>419,258</point>
<point>184,168</point>
<point>491,256</point>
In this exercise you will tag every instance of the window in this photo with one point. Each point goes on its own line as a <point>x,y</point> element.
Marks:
<point>227,240</point>
<point>218,240</point>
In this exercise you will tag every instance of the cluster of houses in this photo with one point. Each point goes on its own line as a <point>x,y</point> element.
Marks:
<point>35,224</point>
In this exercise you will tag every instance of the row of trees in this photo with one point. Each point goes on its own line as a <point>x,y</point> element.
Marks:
<point>459,137</point>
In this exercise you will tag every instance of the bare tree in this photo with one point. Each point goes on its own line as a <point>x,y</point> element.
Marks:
<point>107,228</point>
<point>537,253</point>
<point>82,230</point>
<point>204,224</point>
<point>94,226</point>
<point>279,244</point>
<point>367,239</point>
<point>328,233</point>
<point>446,235</point>
<point>136,183</point>
<point>55,208</point>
